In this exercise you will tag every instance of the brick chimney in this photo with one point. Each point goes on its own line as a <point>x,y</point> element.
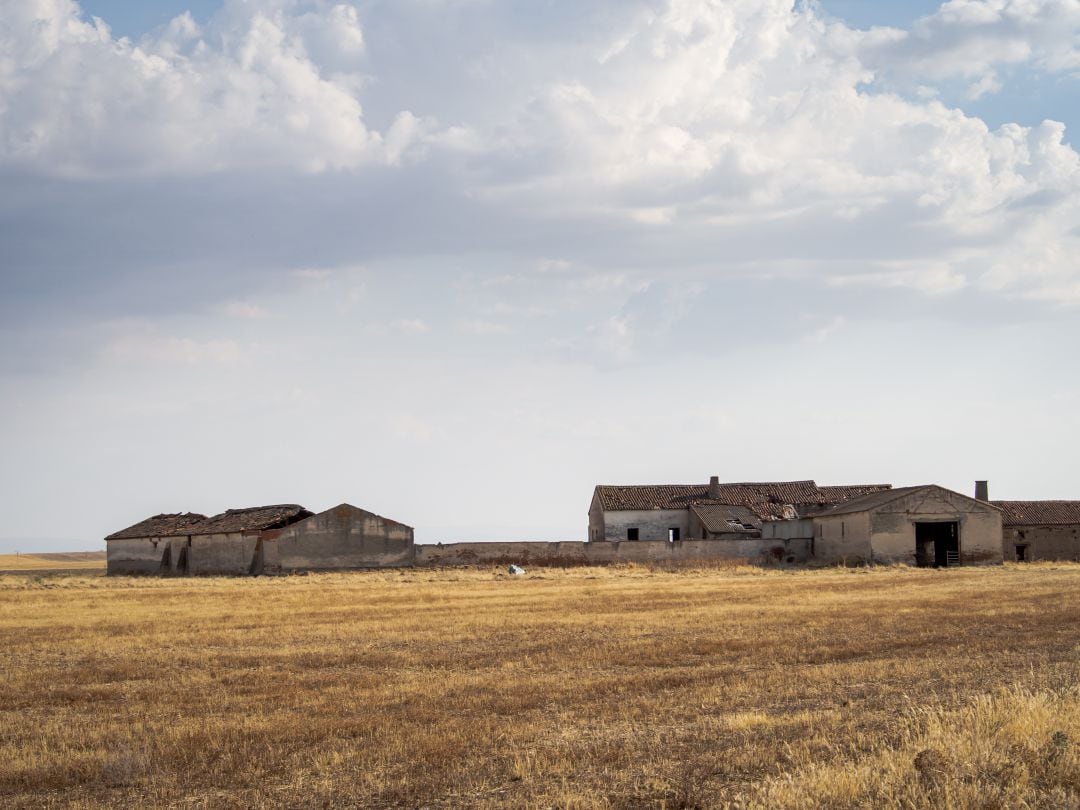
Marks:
<point>714,487</point>
<point>982,491</point>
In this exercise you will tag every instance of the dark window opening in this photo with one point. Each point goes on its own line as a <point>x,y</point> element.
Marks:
<point>632,534</point>
<point>1021,553</point>
<point>703,537</point>
<point>937,545</point>
<point>673,534</point>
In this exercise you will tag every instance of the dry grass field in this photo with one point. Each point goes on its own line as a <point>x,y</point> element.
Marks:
<point>586,688</point>
<point>61,561</point>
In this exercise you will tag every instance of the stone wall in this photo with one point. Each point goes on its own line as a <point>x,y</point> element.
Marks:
<point>652,524</point>
<point>844,538</point>
<point>340,538</point>
<point>229,554</point>
<point>886,533</point>
<point>139,555</point>
<point>606,553</point>
<point>893,527</point>
<point>1043,542</point>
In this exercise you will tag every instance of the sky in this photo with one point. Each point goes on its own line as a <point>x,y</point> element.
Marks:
<point>459,261</point>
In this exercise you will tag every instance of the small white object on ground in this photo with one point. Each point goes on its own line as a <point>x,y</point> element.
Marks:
<point>516,570</point>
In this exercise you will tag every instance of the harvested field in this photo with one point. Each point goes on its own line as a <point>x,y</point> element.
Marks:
<point>59,561</point>
<point>579,688</point>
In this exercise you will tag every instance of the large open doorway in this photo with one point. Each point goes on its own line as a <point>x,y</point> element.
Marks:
<point>937,544</point>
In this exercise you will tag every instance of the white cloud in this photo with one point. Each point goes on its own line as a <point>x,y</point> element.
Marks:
<point>147,347</point>
<point>970,39</point>
<point>697,129</point>
<point>483,328</point>
<point>411,326</point>
<point>823,333</point>
<point>256,88</point>
<point>245,310</point>
<point>930,278</point>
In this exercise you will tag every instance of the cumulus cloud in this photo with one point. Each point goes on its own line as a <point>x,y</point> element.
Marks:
<point>973,39</point>
<point>687,137</point>
<point>268,84</point>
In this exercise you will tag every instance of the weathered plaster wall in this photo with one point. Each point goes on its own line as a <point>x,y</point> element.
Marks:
<point>787,529</point>
<point>887,533</point>
<point>142,555</point>
<point>843,538</point>
<point>602,552</point>
<point>652,524</point>
<point>339,538</point>
<point>222,554</point>
<point>596,519</point>
<point>1043,542</point>
<point>893,527</point>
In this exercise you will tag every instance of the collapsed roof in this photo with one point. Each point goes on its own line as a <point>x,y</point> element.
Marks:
<point>163,525</point>
<point>766,500</point>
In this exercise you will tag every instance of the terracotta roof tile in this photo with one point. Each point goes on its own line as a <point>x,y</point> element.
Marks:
<point>1039,513</point>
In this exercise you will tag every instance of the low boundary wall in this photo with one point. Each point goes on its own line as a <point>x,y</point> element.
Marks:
<point>604,552</point>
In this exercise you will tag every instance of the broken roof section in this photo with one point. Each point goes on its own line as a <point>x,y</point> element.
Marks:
<point>1038,513</point>
<point>723,519</point>
<point>163,525</point>
<point>252,519</point>
<point>767,500</point>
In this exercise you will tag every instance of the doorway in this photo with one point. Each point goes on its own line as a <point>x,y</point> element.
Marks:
<point>937,544</point>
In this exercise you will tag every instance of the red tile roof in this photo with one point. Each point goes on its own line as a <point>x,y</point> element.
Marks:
<point>1039,513</point>
<point>164,525</point>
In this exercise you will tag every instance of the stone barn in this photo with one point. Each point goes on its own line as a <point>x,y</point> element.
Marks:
<point>150,546</point>
<point>1041,530</point>
<point>340,538</point>
<point>231,543</point>
<point>922,525</point>
<point>261,539</point>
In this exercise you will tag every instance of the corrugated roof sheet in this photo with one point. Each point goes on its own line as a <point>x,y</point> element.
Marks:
<point>255,518</point>
<point>1039,513</point>
<point>164,525</point>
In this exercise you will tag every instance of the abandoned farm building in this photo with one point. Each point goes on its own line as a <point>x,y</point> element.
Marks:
<point>262,539</point>
<point>788,522</point>
<point>1041,530</point>
<point>924,525</point>
<point>799,521</point>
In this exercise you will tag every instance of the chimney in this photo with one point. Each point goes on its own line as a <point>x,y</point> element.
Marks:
<point>714,487</point>
<point>982,491</point>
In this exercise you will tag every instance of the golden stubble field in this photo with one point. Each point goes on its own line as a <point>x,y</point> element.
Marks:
<point>619,687</point>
